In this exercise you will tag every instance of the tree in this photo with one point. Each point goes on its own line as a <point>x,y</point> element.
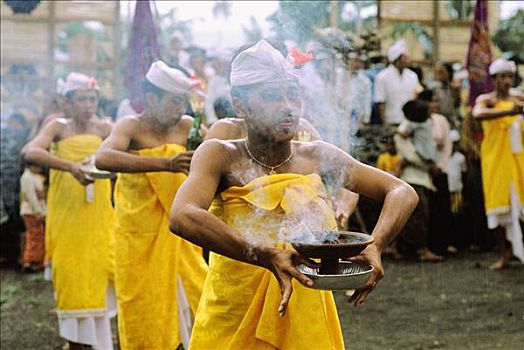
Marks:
<point>419,31</point>
<point>297,20</point>
<point>509,35</point>
<point>169,24</point>
<point>253,33</point>
<point>222,9</point>
<point>459,9</point>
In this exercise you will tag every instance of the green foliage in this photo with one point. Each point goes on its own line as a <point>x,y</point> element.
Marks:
<point>418,30</point>
<point>509,36</point>
<point>222,9</point>
<point>459,9</point>
<point>298,20</point>
<point>295,20</point>
<point>253,33</point>
<point>74,28</point>
<point>169,24</point>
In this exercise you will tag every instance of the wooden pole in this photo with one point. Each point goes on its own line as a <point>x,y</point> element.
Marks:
<point>436,32</point>
<point>116,53</point>
<point>51,45</point>
<point>334,14</point>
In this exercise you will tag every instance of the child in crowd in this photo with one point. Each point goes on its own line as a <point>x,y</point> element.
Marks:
<point>33,211</point>
<point>388,161</point>
<point>417,126</point>
<point>456,174</point>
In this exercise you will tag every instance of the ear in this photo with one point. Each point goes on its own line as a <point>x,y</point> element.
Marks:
<point>240,107</point>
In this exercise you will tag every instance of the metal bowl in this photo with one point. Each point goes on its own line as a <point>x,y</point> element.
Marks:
<point>336,244</point>
<point>351,275</point>
<point>96,173</point>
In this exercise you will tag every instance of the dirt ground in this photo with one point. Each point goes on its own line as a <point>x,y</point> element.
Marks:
<point>458,304</point>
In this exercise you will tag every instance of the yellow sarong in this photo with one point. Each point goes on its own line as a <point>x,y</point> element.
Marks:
<point>502,168</point>
<point>239,306</point>
<point>79,234</point>
<point>150,260</point>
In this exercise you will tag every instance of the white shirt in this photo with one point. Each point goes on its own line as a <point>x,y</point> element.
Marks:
<point>440,133</point>
<point>417,171</point>
<point>394,90</point>
<point>359,97</point>
<point>31,187</point>
<point>456,166</point>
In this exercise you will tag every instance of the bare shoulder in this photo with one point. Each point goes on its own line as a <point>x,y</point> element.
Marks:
<point>218,147</point>
<point>186,121</point>
<point>56,126</point>
<point>128,124</point>
<point>517,95</point>
<point>225,129</point>
<point>216,154</point>
<point>321,150</point>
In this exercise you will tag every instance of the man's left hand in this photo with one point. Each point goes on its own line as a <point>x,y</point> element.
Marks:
<point>371,256</point>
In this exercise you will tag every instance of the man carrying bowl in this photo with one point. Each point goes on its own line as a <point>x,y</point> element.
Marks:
<point>270,189</point>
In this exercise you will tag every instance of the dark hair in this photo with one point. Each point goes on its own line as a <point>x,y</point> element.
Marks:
<point>426,95</point>
<point>223,108</point>
<point>70,94</point>
<point>449,68</point>
<point>416,111</point>
<point>418,71</point>
<point>147,87</point>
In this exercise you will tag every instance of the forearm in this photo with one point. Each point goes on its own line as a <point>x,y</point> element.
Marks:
<point>398,206</point>
<point>490,113</point>
<point>43,157</point>
<point>206,230</point>
<point>124,162</point>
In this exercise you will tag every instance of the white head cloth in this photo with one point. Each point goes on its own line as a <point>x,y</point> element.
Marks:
<point>261,63</point>
<point>169,79</point>
<point>60,86</point>
<point>396,50</point>
<point>502,65</point>
<point>454,135</point>
<point>78,81</point>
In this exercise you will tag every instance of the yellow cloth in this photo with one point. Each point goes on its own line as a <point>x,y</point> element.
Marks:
<point>149,258</point>
<point>79,234</point>
<point>239,306</point>
<point>501,168</point>
<point>388,162</point>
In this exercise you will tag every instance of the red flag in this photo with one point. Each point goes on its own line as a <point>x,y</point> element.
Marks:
<point>142,52</point>
<point>479,54</point>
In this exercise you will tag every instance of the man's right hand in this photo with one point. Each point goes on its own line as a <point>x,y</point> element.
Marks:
<point>180,163</point>
<point>282,263</point>
<point>80,173</point>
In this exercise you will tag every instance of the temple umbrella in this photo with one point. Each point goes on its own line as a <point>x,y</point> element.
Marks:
<point>142,51</point>
<point>479,53</point>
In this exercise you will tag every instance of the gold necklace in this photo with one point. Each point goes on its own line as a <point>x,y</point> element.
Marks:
<point>271,168</point>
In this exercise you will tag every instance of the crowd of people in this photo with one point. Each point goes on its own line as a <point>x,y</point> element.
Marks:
<point>188,247</point>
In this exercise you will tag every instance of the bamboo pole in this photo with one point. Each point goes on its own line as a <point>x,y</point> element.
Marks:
<point>116,53</point>
<point>436,33</point>
<point>51,45</point>
<point>334,14</point>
